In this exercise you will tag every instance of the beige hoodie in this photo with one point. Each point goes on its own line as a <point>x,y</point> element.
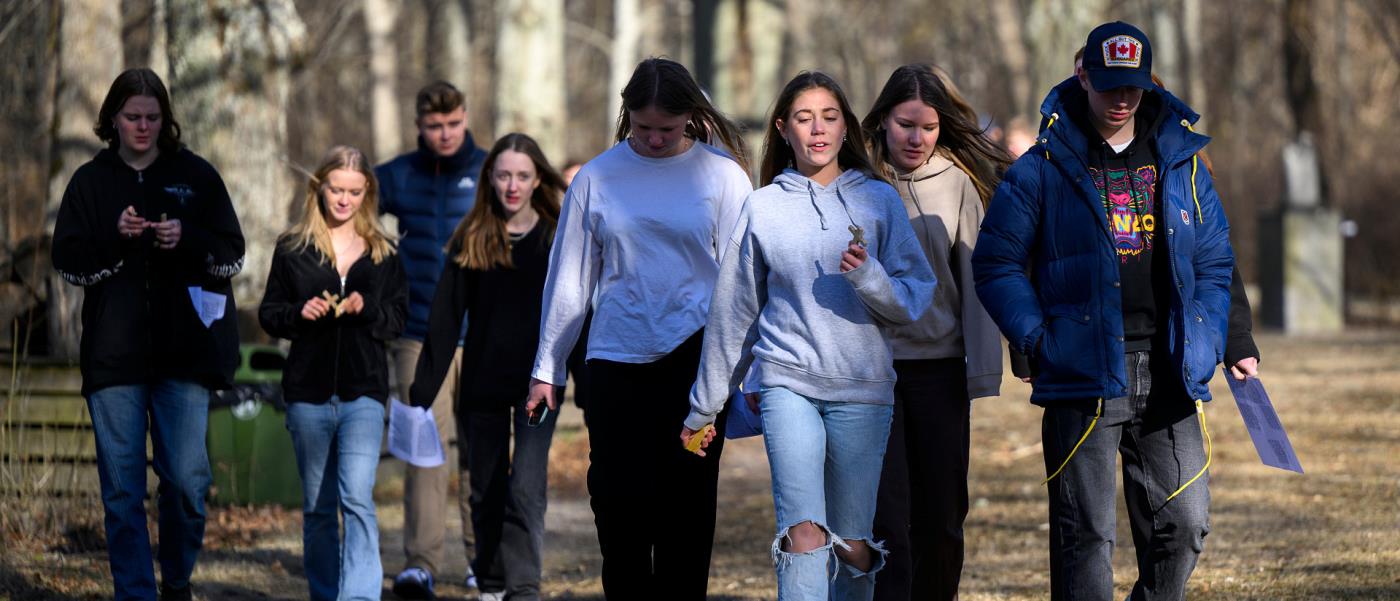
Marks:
<point>946,213</point>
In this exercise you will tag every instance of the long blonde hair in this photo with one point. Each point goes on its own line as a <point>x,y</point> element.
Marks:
<point>480,237</point>
<point>311,229</point>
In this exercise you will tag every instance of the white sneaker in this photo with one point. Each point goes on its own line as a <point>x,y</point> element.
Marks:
<point>471,578</point>
<point>497,596</point>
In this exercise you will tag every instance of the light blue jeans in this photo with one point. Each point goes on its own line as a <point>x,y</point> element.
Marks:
<point>825,458</point>
<point>177,413</point>
<point>339,439</point>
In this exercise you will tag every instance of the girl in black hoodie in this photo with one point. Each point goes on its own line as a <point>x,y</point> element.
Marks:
<point>148,230</point>
<point>337,291</point>
<point>498,260</point>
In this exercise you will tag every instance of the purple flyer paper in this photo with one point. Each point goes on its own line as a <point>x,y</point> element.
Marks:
<point>1270,440</point>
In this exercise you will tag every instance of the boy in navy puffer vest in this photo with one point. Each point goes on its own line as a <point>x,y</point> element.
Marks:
<point>1124,311</point>
<point>429,190</point>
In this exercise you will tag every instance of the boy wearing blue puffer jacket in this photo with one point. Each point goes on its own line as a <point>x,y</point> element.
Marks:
<point>1105,257</point>
<point>429,190</point>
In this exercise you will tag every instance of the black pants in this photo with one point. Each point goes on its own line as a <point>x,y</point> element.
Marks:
<point>923,485</point>
<point>508,496</point>
<point>653,502</point>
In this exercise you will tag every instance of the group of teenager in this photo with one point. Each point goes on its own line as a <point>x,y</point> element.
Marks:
<point>850,309</point>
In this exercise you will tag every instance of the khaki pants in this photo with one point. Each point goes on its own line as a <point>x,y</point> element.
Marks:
<point>425,489</point>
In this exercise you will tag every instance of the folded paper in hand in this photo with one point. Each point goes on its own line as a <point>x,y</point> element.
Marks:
<point>413,435</point>
<point>1265,429</point>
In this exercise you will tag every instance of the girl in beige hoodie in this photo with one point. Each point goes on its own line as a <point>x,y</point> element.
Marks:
<point>926,138</point>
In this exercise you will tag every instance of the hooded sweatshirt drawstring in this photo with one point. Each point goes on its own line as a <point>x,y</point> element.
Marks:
<point>812,195</point>
<point>846,207</point>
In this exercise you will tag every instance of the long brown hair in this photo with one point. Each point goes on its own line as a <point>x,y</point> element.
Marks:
<point>137,82</point>
<point>311,229</point>
<point>959,137</point>
<point>480,238</point>
<point>778,155</point>
<point>668,85</point>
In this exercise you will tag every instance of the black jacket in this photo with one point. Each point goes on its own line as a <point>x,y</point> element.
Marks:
<point>502,308</point>
<point>139,322</point>
<point>342,356</point>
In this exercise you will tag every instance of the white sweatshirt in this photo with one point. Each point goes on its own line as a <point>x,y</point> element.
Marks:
<point>641,240</point>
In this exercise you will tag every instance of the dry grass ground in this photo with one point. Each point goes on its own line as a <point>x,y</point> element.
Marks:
<point>1333,533</point>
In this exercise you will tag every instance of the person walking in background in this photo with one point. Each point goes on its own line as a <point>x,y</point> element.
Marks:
<point>430,190</point>
<point>337,291</point>
<point>823,259</point>
<point>1124,310</point>
<point>641,236</point>
<point>500,256</point>
<point>147,229</point>
<point>925,138</point>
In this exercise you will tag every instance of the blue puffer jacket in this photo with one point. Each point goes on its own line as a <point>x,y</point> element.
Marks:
<point>429,195</point>
<point>1067,310</point>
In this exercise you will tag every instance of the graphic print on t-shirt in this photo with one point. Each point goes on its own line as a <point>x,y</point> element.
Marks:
<point>1127,197</point>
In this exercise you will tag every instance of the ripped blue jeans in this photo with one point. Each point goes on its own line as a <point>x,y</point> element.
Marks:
<point>825,459</point>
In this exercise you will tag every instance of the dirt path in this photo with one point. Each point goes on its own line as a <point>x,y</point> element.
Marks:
<point>1332,534</point>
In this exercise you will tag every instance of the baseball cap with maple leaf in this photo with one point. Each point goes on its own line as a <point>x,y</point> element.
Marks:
<point>1118,55</point>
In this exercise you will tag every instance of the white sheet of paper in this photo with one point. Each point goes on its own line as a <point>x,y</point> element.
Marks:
<point>209,306</point>
<point>413,435</point>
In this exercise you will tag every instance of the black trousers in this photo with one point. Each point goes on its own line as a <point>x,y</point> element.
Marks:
<point>923,485</point>
<point>653,502</point>
<point>508,495</point>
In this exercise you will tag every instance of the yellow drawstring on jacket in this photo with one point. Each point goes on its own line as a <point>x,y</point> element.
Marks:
<point>1098,412</point>
<point>1044,140</point>
<point>1194,161</point>
<point>1201,414</point>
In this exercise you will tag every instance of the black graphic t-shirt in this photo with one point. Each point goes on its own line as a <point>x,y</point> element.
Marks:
<point>1128,187</point>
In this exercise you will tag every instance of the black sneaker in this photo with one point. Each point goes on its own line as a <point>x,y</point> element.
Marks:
<point>171,593</point>
<point>414,583</point>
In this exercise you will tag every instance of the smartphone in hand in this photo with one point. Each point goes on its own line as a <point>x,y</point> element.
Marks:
<point>537,416</point>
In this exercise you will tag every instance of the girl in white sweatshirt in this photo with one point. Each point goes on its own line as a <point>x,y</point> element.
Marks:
<point>641,236</point>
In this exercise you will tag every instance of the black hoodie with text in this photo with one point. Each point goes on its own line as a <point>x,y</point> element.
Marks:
<point>140,320</point>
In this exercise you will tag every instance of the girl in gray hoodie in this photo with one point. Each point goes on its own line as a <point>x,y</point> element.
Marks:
<point>926,139</point>
<point>822,262</point>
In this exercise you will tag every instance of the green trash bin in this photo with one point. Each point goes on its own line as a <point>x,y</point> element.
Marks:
<point>250,450</point>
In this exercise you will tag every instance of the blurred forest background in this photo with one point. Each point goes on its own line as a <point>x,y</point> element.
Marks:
<point>261,87</point>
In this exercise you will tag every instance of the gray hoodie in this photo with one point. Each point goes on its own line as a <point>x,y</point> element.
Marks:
<point>782,303</point>
<point>946,213</point>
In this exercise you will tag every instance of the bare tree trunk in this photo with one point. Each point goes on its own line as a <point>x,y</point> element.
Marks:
<point>230,66</point>
<point>627,33</point>
<point>743,59</point>
<point>1301,90</point>
<point>89,58</point>
<point>797,39</point>
<point>159,58</point>
<point>1165,33</point>
<point>449,43</point>
<point>530,61</point>
<point>702,25</point>
<point>380,18</point>
<point>1007,24</point>
<point>1193,77</point>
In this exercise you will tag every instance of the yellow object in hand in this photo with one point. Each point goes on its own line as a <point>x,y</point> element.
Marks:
<point>698,438</point>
